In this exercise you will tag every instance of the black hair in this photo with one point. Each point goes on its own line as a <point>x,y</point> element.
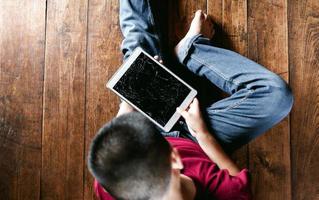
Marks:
<point>130,158</point>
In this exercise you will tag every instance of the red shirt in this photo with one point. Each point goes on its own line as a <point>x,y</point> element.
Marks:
<point>210,181</point>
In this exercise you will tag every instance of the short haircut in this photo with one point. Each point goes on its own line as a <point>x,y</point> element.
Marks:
<point>131,159</point>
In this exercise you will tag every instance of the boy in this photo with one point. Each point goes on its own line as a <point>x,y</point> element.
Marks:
<point>130,159</point>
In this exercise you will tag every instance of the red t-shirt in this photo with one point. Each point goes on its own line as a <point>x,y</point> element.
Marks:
<point>210,181</point>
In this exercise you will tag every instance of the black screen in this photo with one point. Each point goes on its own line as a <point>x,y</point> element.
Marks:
<point>152,89</point>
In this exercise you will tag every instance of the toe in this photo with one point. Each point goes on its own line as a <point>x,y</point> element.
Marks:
<point>199,14</point>
<point>205,15</point>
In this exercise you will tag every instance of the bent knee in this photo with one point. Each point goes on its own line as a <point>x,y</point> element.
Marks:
<point>280,98</point>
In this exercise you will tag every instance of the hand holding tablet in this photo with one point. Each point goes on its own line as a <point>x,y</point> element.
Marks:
<point>151,89</point>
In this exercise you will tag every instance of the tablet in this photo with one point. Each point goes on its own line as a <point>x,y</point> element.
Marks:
<point>151,89</point>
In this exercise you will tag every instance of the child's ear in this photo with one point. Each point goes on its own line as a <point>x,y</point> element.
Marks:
<point>176,160</point>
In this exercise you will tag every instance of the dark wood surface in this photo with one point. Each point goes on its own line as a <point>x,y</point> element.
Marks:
<point>64,100</point>
<point>269,155</point>
<point>56,56</point>
<point>303,51</point>
<point>22,45</point>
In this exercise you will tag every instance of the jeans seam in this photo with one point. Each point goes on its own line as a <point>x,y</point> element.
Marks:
<point>216,71</point>
<point>191,41</point>
<point>235,105</point>
<point>184,49</point>
<point>250,91</point>
<point>188,45</point>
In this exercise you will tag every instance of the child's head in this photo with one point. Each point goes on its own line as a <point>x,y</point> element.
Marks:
<point>130,158</point>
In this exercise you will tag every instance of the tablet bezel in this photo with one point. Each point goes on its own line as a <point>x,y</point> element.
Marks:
<point>125,66</point>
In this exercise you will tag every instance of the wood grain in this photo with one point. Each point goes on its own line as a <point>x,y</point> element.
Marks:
<point>64,100</point>
<point>22,36</point>
<point>103,59</point>
<point>270,154</point>
<point>235,25</point>
<point>64,58</point>
<point>230,18</point>
<point>304,75</point>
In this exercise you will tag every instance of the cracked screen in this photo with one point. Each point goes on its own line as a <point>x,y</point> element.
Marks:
<point>152,89</point>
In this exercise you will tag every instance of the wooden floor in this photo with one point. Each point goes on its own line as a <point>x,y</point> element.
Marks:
<point>55,57</point>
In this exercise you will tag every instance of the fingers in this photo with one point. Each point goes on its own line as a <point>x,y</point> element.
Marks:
<point>195,102</point>
<point>184,113</point>
<point>193,107</point>
<point>158,59</point>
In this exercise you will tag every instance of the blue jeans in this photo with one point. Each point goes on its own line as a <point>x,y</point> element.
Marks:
<point>258,99</point>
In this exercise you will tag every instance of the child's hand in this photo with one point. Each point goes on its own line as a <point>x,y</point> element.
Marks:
<point>194,119</point>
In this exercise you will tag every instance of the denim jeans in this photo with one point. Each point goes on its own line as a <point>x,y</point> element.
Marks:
<point>258,99</point>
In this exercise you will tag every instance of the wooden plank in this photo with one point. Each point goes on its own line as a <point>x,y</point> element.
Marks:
<point>304,73</point>
<point>235,25</point>
<point>64,100</point>
<point>270,154</point>
<point>104,57</point>
<point>230,18</point>
<point>22,36</point>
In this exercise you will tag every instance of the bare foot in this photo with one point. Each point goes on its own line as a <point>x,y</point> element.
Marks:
<point>201,24</point>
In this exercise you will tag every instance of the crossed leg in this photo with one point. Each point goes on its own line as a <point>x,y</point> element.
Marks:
<point>258,99</point>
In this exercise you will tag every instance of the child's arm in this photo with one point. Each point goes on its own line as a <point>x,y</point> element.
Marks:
<point>207,142</point>
<point>216,153</point>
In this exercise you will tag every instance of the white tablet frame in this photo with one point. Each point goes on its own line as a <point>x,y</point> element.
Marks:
<point>120,72</point>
